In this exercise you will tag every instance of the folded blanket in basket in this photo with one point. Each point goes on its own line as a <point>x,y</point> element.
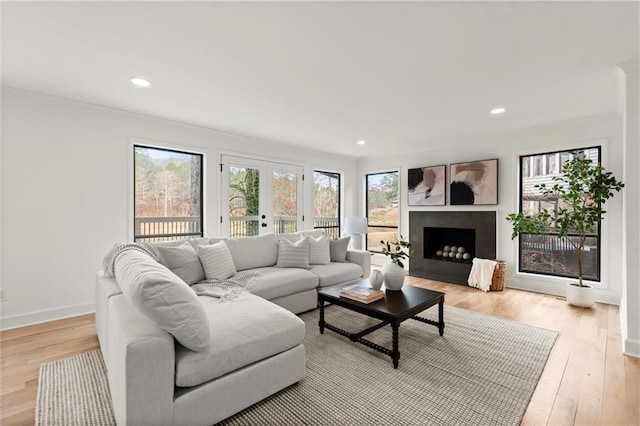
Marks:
<point>481,273</point>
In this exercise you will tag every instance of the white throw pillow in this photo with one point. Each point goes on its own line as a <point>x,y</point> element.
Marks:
<point>319,253</point>
<point>293,255</point>
<point>217,261</point>
<point>315,233</point>
<point>183,261</point>
<point>163,298</point>
<point>338,249</point>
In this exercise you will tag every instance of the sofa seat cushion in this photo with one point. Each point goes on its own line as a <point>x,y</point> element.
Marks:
<point>336,272</point>
<point>243,330</point>
<point>272,282</point>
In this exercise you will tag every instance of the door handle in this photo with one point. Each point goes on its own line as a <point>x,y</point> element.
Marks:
<point>264,225</point>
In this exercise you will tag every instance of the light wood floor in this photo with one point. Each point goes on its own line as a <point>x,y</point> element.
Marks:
<point>587,380</point>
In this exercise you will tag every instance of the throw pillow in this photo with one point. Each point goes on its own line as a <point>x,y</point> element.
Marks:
<point>217,261</point>
<point>319,250</point>
<point>163,298</point>
<point>291,237</point>
<point>293,255</point>
<point>338,249</point>
<point>183,261</point>
<point>315,233</point>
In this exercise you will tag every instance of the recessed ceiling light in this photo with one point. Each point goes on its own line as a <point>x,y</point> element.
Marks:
<point>498,110</point>
<point>361,142</point>
<point>141,82</point>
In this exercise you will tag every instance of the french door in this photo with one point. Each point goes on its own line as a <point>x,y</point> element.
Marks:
<point>260,197</point>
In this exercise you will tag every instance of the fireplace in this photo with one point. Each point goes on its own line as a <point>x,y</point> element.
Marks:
<point>445,243</point>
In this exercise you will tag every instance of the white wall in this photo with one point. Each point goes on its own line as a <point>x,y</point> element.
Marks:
<point>66,194</point>
<point>630,304</point>
<point>606,130</point>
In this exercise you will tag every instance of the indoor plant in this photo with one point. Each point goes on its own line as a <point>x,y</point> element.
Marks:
<point>583,187</point>
<point>394,271</point>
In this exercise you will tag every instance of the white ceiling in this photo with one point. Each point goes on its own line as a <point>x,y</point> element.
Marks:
<point>402,76</point>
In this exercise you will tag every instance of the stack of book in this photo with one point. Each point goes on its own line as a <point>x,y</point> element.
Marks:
<point>361,293</point>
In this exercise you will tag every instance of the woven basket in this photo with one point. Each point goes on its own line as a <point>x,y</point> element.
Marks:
<point>497,282</point>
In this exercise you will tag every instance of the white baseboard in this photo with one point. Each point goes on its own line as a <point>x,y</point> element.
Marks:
<point>32,318</point>
<point>554,290</point>
<point>631,347</point>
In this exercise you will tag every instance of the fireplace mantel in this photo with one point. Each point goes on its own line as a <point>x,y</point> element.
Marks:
<point>423,265</point>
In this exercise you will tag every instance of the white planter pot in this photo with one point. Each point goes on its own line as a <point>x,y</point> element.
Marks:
<point>393,276</point>
<point>584,297</point>
<point>376,279</point>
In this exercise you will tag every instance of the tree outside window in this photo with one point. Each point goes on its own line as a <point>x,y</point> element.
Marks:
<point>382,209</point>
<point>167,194</point>
<point>326,202</point>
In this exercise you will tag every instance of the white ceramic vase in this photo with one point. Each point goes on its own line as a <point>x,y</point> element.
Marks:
<point>376,279</point>
<point>583,297</point>
<point>393,276</point>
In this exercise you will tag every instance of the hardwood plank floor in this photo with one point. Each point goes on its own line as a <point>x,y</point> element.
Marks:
<point>587,380</point>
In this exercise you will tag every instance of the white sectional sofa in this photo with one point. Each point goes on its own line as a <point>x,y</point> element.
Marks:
<point>253,343</point>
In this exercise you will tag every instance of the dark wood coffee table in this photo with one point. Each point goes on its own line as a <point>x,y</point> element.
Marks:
<point>395,307</point>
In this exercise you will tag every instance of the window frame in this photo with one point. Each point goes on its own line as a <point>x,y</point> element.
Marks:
<point>338,227</point>
<point>366,206</point>
<point>562,156</point>
<point>166,237</point>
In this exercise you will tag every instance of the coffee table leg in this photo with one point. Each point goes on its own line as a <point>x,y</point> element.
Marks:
<point>441,316</point>
<point>321,322</point>
<point>395,355</point>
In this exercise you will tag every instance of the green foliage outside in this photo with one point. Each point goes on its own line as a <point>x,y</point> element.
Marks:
<point>167,184</point>
<point>326,197</point>
<point>382,199</point>
<point>244,191</point>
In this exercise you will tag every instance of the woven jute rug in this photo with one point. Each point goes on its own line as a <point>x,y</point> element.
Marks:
<point>483,371</point>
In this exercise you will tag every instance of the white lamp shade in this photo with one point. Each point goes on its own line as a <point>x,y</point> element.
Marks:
<point>355,225</point>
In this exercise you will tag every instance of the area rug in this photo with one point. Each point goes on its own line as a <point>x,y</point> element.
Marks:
<point>483,371</point>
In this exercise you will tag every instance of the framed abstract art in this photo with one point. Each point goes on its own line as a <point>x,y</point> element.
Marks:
<point>474,183</point>
<point>427,186</point>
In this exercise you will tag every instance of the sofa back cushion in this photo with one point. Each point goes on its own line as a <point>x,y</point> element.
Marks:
<point>253,252</point>
<point>182,261</point>
<point>164,298</point>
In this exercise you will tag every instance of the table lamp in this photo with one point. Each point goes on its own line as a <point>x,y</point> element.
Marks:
<point>356,227</point>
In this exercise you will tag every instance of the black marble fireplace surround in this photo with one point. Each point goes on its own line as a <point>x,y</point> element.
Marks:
<point>430,231</point>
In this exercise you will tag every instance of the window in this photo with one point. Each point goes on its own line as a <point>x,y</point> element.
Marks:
<point>382,209</point>
<point>552,164</point>
<point>326,202</point>
<point>167,194</point>
<point>537,165</point>
<point>548,255</point>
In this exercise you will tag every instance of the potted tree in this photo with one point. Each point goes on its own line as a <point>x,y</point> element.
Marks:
<point>393,272</point>
<point>582,189</point>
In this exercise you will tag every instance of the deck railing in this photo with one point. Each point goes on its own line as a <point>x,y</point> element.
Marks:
<point>149,229</point>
